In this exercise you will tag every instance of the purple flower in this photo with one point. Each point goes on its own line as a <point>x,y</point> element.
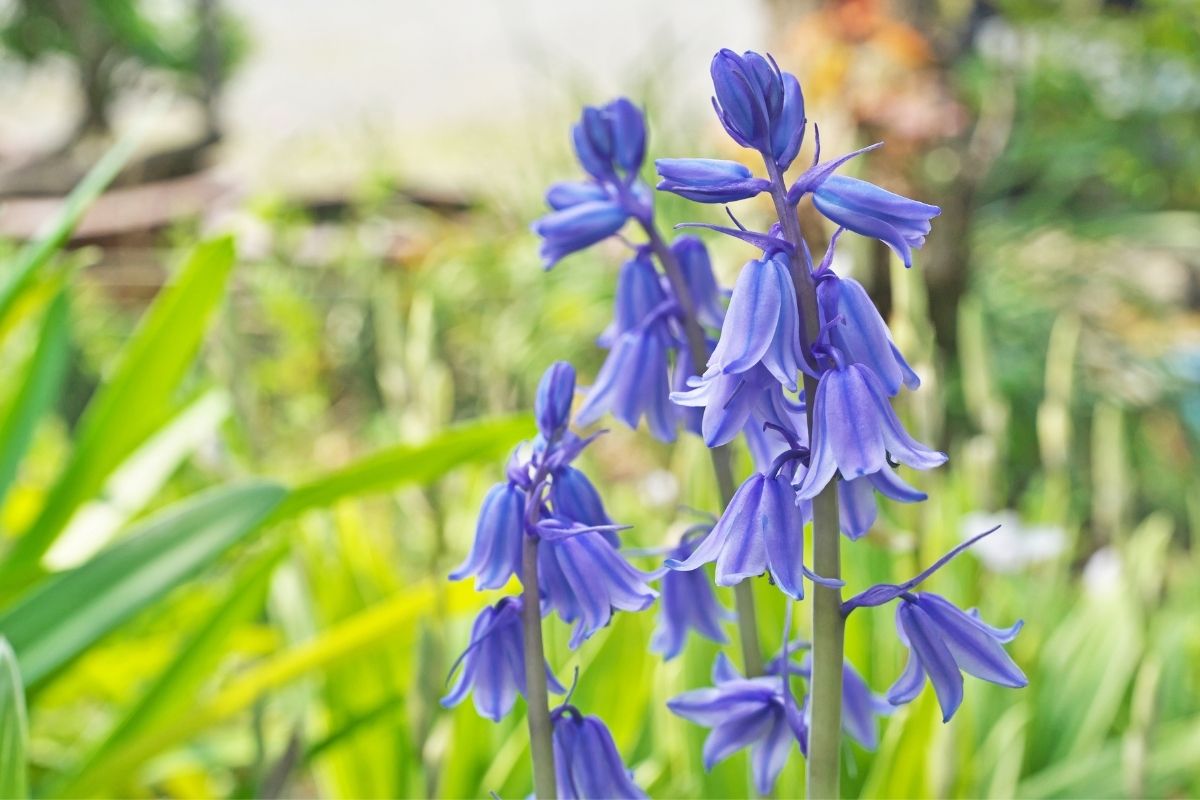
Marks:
<point>611,141</point>
<point>762,530</point>
<point>572,193</point>
<point>573,228</point>
<point>745,712</point>
<point>761,325</point>
<point>708,180</point>
<point>856,499</point>
<point>688,603</point>
<point>855,429</point>
<point>575,498</point>
<point>943,642</point>
<point>496,554</point>
<point>633,382</point>
<point>698,275</point>
<point>552,405</point>
<point>732,401</point>
<point>586,762</point>
<point>868,210</point>
<point>760,107</point>
<point>860,706</point>
<point>584,579</point>
<point>640,295</point>
<point>494,662</point>
<point>863,336</point>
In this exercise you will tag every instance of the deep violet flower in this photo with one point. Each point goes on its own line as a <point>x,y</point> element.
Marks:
<point>584,579</point>
<point>708,180</point>
<point>759,106</point>
<point>586,761</point>
<point>855,430</point>
<point>900,223</point>
<point>862,335</point>
<point>634,382</point>
<point>552,405</point>
<point>762,530</point>
<point>745,712</point>
<point>762,324</point>
<point>496,553</point>
<point>688,603</point>
<point>493,665</point>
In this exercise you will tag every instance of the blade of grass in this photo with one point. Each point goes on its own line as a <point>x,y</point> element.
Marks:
<point>134,400</point>
<point>14,729</point>
<point>39,386</point>
<point>65,614</point>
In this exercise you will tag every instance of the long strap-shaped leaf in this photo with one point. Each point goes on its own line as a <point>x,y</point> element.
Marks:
<point>14,733</point>
<point>133,400</point>
<point>68,612</point>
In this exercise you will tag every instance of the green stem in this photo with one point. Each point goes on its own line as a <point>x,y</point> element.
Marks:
<point>828,626</point>
<point>537,697</point>
<point>743,593</point>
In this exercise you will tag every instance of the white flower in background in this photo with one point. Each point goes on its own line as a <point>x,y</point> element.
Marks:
<point>1016,545</point>
<point>1103,572</point>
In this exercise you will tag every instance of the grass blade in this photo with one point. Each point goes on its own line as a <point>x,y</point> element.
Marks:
<point>14,729</point>
<point>65,614</point>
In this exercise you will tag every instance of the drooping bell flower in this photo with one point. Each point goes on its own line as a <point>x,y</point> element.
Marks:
<point>584,579</point>
<point>863,336</point>
<point>857,508</point>
<point>727,401</point>
<point>634,382</point>
<point>868,210</point>
<point>696,266</point>
<point>552,405</point>
<point>745,712</point>
<point>708,180</point>
<point>762,324</point>
<point>493,665</point>
<point>688,603</point>
<point>496,553</point>
<point>639,296</point>
<point>576,227</point>
<point>944,642</point>
<point>762,530</point>
<point>587,764</point>
<point>855,430</point>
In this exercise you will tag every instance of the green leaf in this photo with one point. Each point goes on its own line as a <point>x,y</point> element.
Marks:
<point>135,399</point>
<point>37,253</point>
<point>14,729</point>
<point>481,440</point>
<point>65,614</point>
<point>39,386</point>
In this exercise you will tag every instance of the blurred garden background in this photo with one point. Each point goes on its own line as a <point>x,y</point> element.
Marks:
<point>271,320</point>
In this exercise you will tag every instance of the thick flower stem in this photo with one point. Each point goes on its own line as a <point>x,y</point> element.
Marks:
<point>537,697</point>
<point>828,626</point>
<point>743,593</point>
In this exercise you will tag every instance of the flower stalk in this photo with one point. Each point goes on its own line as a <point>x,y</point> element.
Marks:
<point>537,698</point>
<point>743,593</point>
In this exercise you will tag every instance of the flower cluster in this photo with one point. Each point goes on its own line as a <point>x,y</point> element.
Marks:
<point>581,575</point>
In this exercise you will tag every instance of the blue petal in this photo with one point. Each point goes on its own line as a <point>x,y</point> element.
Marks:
<point>769,755</point>
<point>552,405</point>
<point>856,507</point>
<point>572,193</point>
<point>783,530</point>
<point>976,650</point>
<point>744,554</point>
<point>939,664</point>
<point>751,319</point>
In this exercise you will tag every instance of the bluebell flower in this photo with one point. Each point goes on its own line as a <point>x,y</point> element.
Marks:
<point>584,578</point>
<point>759,713</point>
<point>759,106</point>
<point>868,210</point>
<point>731,402</point>
<point>586,762</point>
<point>861,707</point>
<point>572,193</point>
<point>697,271</point>
<point>575,227</point>
<point>611,141</point>
<point>634,382</point>
<point>762,530</point>
<point>574,497</point>
<point>855,430</point>
<point>863,336</point>
<point>552,405</point>
<point>762,324</point>
<point>496,553</point>
<point>493,665</point>
<point>944,642</point>
<point>857,509</point>
<point>688,603</point>
<point>640,295</point>
<point>708,180</point>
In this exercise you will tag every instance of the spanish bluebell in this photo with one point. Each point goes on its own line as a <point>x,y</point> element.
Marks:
<point>584,579</point>
<point>760,107</point>
<point>862,335</point>
<point>759,713</point>
<point>575,227</point>
<point>688,603</point>
<point>493,665</point>
<point>708,180</point>
<point>552,405</point>
<point>634,382</point>
<point>945,641</point>
<point>900,223</point>
<point>855,430</point>
<point>586,761</point>
<point>697,270</point>
<point>762,324</point>
<point>496,553</point>
<point>611,141</point>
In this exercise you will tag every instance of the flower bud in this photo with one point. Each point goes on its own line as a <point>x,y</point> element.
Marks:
<point>552,406</point>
